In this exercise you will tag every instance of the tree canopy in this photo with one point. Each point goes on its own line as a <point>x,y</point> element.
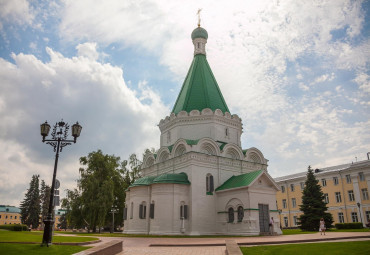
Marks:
<point>313,206</point>
<point>100,188</point>
<point>30,206</point>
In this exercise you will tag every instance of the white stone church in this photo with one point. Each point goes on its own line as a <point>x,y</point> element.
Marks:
<point>201,181</point>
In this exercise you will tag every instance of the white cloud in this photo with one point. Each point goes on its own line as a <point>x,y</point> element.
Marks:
<point>87,50</point>
<point>363,80</point>
<point>18,12</point>
<point>115,118</point>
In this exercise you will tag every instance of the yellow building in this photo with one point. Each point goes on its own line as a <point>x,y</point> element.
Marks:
<point>9,215</point>
<point>346,190</point>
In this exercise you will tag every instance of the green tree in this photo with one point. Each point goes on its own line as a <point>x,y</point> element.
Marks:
<point>313,205</point>
<point>44,199</point>
<point>30,206</point>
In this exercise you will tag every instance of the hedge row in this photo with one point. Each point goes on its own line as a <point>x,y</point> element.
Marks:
<point>14,227</point>
<point>354,225</point>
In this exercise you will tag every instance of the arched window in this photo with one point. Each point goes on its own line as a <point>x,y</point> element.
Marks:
<point>142,210</point>
<point>240,213</point>
<point>209,184</point>
<point>125,212</point>
<point>151,210</point>
<point>132,210</point>
<point>231,215</point>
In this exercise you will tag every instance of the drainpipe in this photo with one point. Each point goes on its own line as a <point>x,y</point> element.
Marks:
<point>288,203</point>
<point>344,195</point>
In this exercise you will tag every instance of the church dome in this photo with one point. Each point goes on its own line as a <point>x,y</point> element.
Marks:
<point>199,32</point>
<point>181,178</point>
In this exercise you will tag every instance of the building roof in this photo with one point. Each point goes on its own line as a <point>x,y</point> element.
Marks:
<point>200,89</point>
<point>144,181</point>
<point>181,178</point>
<point>238,181</point>
<point>9,209</point>
<point>199,32</point>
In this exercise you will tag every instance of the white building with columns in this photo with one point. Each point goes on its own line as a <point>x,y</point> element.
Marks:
<point>201,181</point>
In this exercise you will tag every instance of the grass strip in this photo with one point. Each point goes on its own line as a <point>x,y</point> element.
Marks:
<point>36,249</point>
<point>337,248</point>
<point>36,236</point>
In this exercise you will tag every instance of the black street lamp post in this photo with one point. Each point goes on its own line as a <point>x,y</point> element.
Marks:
<point>58,141</point>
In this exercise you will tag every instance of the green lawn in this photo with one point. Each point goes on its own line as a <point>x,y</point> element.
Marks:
<point>36,249</point>
<point>36,236</point>
<point>298,231</point>
<point>345,248</point>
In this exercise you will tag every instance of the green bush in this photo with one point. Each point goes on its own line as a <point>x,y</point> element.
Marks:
<point>14,227</point>
<point>353,225</point>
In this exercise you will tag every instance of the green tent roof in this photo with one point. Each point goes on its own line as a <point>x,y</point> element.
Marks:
<point>181,178</point>
<point>200,89</point>
<point>238,181</point>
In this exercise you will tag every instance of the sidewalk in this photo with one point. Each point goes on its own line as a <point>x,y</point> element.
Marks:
<point>216,246</point>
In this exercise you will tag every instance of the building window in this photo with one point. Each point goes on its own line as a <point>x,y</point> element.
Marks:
<point>351,196</point>
<point>125,213</point>
<point>354,217</point>
<point>294,203</point>
<point>184,211</point>
<point>142,210</point>
<point>365,194</point>
<point>335,180</point>
<point>282,189</point>
<point>323,182</point>
<point>341,217</point>
<point>348,178</point>
<point>231,215</point>
<point>367,213</point>
<point>362,176</point>
<point>0,216</point>
<point>286,221</point>
<point>15,217</point>
<point>326,198</point>
<point>227,132</point>
<point>209,184</point>
<point>338,197</point>
<point>6,216</point>
<point>240,213</point>
<point>295,220</point>
<point>132,210</point>
<point>302,185</point>
<point>284,203</point>
<point>151,210</point>
<point>292,187</point>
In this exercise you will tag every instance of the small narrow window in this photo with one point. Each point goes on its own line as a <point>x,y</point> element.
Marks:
<point>282,189</point>
<point>198,45</point>
<point>286,221</point>
<point>302,185</point>
<point>354,217</point>
<point>231,215</point>
<point>240,213</point>
<point>142,211</point>
<point>292,187</point>
<point>227,132</point>
<point>341,217</point>
<point>132,210</point>
<point>184,212</point>
<point>151,211</point>
<point>365,194</point>
<point>295,222</point>
<point>284,203</point>
<point>209,184</point>
<point>338,197</point>
<point>125,213</point>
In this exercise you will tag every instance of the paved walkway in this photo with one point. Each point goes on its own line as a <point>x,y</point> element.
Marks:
<point>216,246</point>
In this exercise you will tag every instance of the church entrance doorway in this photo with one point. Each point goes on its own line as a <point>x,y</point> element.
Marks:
<point>264,218</point>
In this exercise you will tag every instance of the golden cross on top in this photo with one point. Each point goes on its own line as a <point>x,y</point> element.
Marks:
<point>198,13</point>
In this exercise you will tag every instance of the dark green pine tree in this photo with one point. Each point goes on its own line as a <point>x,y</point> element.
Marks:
<point>30,206</point>
<point>44,199</point>
<point>313,206</point>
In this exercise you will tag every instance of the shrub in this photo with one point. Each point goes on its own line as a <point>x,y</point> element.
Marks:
<point>353,225</point>
<point>14,227</point>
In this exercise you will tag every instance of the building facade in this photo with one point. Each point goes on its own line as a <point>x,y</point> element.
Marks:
<point>346,190</point>
<point>200,181</point>
<point>9,215</point>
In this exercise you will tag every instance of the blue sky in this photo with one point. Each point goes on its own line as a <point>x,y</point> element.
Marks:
<point>296,72</point>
